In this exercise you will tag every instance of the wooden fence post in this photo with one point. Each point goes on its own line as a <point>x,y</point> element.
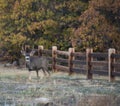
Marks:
<point>88,63</point>
<point>40,49</point>
<point>54,56</point>
<point>111,60</point>
<point>70,60</point>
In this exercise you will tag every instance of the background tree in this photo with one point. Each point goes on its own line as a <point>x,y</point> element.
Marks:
<point>99,26</point>
<point>46,22</point>
<point>64,23</point>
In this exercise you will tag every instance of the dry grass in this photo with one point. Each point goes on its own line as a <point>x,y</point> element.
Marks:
<point>60,89</point>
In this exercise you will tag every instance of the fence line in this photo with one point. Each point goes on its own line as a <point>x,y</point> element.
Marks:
<point>89,63</point>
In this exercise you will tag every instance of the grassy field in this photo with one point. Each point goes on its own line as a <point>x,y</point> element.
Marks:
<point>57,90</point>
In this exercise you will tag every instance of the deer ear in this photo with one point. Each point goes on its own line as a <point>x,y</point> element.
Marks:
<point>32,52</point>
<point>23,52</point>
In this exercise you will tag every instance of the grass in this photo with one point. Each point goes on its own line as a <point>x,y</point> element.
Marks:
<point>60,89</point>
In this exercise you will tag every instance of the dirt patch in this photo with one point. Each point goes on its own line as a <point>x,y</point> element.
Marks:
<point>57,90</point>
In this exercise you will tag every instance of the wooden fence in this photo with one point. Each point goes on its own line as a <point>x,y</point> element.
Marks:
<point>88,63</point>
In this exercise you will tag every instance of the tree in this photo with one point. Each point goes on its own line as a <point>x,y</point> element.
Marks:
<point>99,26</point>
<point>47,22</point>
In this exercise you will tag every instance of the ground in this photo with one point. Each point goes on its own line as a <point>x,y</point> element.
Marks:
<point>57,90</point>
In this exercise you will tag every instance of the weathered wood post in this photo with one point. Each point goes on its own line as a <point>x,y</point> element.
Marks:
<point>70,60</point>
<point>54,56</point>
<point>88,63</point>
<point>111,68</point>
<point>40,49</point>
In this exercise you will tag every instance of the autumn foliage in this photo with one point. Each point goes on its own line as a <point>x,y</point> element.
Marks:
<point>64,23</point>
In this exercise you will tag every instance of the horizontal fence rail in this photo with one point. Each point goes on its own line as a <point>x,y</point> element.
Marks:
<point>115,56</point>
<point>61,60</point>
<point>62,52</point>
<point>79,62</point>
<point>99,63</point>
<point>99,55</point>
<point>88,63</point>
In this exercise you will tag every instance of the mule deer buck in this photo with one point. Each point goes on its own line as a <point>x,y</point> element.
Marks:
<point>35,63</point>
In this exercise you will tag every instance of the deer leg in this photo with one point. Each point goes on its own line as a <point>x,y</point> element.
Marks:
<point>29,75</point>
<point>44,71</point>
<point>37,72</point>
<point>47,71</point>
